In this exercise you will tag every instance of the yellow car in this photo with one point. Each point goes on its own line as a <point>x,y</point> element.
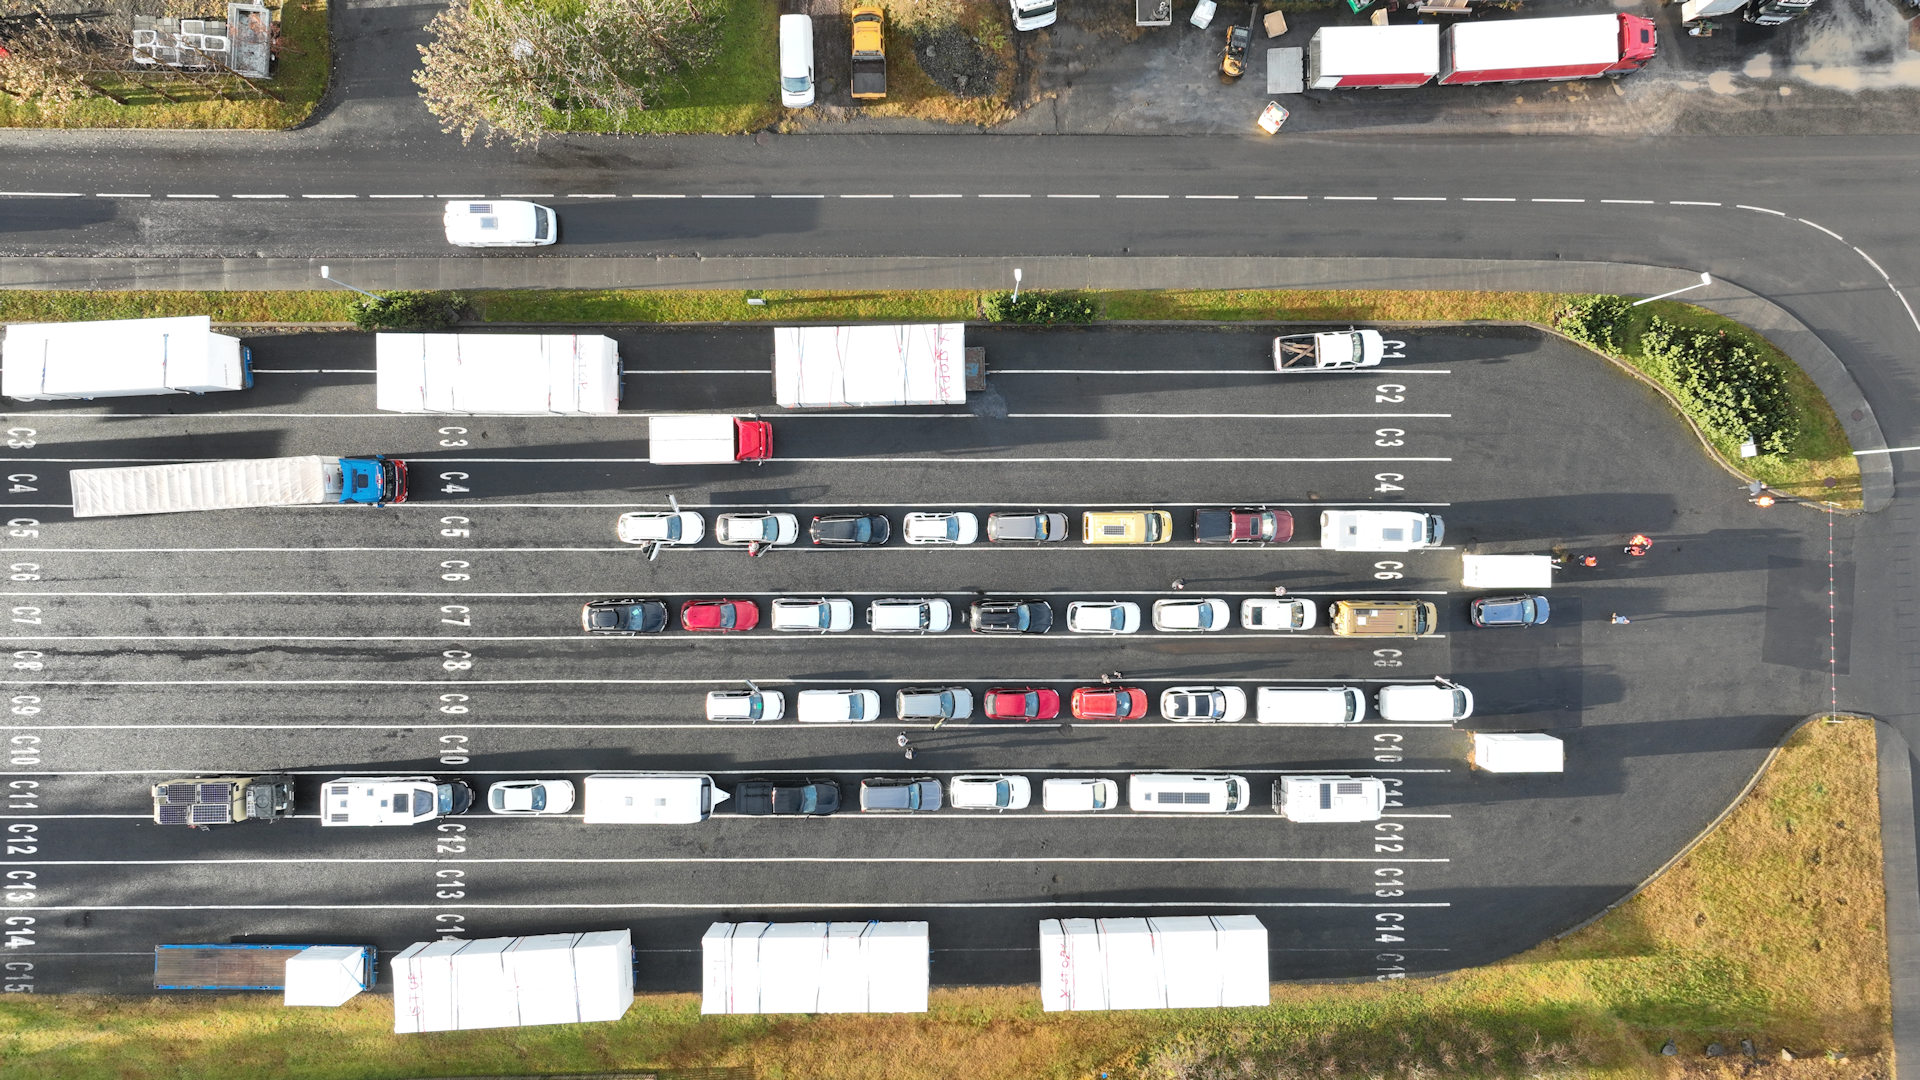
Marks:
<point>1126,527</point>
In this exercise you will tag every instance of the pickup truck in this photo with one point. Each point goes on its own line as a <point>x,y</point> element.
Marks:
<point>869,53</point>
<point>1342,351</point>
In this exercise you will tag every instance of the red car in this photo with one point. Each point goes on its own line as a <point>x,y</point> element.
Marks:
<point>1022,703</point>
<point>1109,703</point>
<point>719,615</point>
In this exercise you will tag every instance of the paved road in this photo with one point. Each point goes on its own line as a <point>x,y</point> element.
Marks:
<point>325,642</point>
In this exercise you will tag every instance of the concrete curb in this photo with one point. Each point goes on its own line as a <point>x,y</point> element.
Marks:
<point>1902,878</point>
<point>1049,272</point>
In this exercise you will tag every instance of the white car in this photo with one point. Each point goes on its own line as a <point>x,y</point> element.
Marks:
<point>818,615</point>
<point>672,528</point>
<point>837,706</point>
<point>499,223</point>
<point>1380,530</point>
<point>1103,617</point>
<point>765,530</point>
<point>938,528</point>
<point>751,705</point>
<point>1191,616</point>
<point>1260,614</point>
<point>531,797</point>
<point>1074,794</point>
<point>1203,704</point>
<point>998,791</point>
<point>901,615</point>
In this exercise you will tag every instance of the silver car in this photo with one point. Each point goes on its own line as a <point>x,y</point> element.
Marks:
<point>816,615</point>
<point>756,530</point>
<point>1035,527</point>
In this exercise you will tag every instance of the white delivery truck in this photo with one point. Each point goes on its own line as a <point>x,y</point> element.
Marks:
<point>121,358</point>
<point>649,798</point>
<point>1506,571</point>
<point>828,367</point>
<point>707,440</point>
<point>230,485</point>
<point>1380,530</point>
<point>1517,752</point>
<point>504,374</point>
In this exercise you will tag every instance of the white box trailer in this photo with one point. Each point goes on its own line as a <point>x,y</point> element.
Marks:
<point>1159,963</point>
<point>121,358</point>
<point>513,982</point>
<point>828,367</point>
<point>1517,752</point>
<point>1379,57</point>
<point>1506,571</point>
<point>642,798</point>
<point>497,374</point>
<point>841,967</point>
<point>230,485</point>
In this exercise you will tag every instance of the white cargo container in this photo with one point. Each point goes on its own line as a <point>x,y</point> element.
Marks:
<point>513,982</point>
<point>231,485</point>
<point>827,367</point>
<point>1160,963</point>
<point>121,358</point>
<point>1518,752</point>
<point>842,967</point>
<point>501,374</point>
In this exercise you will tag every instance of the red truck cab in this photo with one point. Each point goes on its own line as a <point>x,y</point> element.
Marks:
<point>1639,39</point>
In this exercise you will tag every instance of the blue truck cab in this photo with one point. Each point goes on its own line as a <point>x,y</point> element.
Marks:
<point>373,481</point>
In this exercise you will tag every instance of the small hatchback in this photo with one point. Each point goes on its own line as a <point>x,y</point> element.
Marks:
<point>1103,617</point>
<point>1203,704</point>
<point>1109,703</point>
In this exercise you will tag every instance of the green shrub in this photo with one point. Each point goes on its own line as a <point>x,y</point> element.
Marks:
<point>407,310</point>
<point>1600,321</point>
<point>1729,387</point>
<point>1040,307</point>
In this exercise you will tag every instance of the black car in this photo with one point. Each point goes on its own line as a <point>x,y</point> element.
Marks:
<point>1012,617</point>
<point>804,798</point>
<point>851,530</point>
<point>628,616</point>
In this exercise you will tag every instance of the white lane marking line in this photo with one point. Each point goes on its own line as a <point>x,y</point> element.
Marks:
<point>1903,303</point>
<point>1871,263</point>
<point>703,196</point>
<point>730,681</point>
<point>316,371</point>
<point>329,196</point>
<point>796,196</point>
<point>1227,416</point>
<point>529,195</point>
<point>866,196</point>
<point>1885,450</point>
<point>1487,198</point>
<point>1210,196</point>
<point>1143,196</point>
<point>459,196</point>
<point>1285,198</point>
<point>259,196</point>
<point>1439,816</point>
<point>762,905</point>
<point>594,639</point>
<point>1007,195</point>
<point>1687,202</point>
<point>579,195</point>
<point>1629,202</point>
<point>701,860</point>
<point>1822,228</point>
<point>1419,198</point>
<point>170,195</point>
<point>1558,200</point>
<point>937,195</point>
<point>122,195</point>
<point>1760,209</point>
<point>1073,196</point>
<point>656,196</point>
<point>1266,371</point>
<point>42,194</point>
<point>1350,198</point>
<point>396,196</point>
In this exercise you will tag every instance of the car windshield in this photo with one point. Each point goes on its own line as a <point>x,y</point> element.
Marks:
<point>1021,617</point>
<point>1359,348</point>
<point>537,797</point>
<point>809,799</point>
<point>637,617</point>
<point>1153,528</point>
<point>1030,702</point>
<point>794,84</point>
<point>423,801</point>
<point>1204,616</point>
<point>672,530</point>
<point>1002,792</point>
<point>863,530</point>
<point>1117,618</point>
<point>726,616</point>
<point>856,707</point>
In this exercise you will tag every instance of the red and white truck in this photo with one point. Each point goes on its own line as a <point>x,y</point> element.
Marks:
<point>1340,57</point>
<point>1534,50</point>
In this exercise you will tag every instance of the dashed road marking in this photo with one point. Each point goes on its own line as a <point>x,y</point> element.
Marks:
<point>1759,209</point>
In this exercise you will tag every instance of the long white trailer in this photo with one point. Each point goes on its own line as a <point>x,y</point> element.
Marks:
<point>120,358</point>
<point>841,967</point>
<point>1181,962</point>
<point>560,374</point>
<point>513,982</point>
<point>828,367</point>
<point>229,485</point>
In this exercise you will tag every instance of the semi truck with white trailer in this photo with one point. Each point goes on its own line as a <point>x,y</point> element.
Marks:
<point>231,485</point>
<point>707,440</point>
<point>497,374</point>
<point>121,358</point>
<point>833,367</point>
<point>222,800</point>
<point>1546,50</point>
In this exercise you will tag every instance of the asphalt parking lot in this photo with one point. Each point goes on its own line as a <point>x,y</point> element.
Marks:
<point>442,636</point>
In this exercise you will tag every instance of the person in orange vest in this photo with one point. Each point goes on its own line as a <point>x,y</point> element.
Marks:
<point>1639,544</point>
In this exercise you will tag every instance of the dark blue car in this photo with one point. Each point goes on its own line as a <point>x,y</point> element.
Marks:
<point>1510,611</point>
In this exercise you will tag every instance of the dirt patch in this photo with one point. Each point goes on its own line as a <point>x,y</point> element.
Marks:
<point>957,62</point>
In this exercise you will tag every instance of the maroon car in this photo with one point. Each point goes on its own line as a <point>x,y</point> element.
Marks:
<point>1242,525</point>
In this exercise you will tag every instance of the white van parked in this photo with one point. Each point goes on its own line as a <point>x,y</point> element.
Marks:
<point>1077,794</point>
<point>1329,798</point>
<point>391,800</point>
<point>796,61</point>
<point>1380,530</point>
<point>1437,702</point>
<point>1309,705</point>
<point>1187,793</point>
<point>643,798</point>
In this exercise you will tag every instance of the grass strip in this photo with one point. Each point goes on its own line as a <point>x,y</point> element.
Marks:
<point>1770,930</point>
<point>300,79</point>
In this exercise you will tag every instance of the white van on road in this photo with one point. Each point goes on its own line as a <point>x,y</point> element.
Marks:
<point>1309,705</point>
<point>1380,530</point>
<point>649,798</point>
<point>1438,702</point>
